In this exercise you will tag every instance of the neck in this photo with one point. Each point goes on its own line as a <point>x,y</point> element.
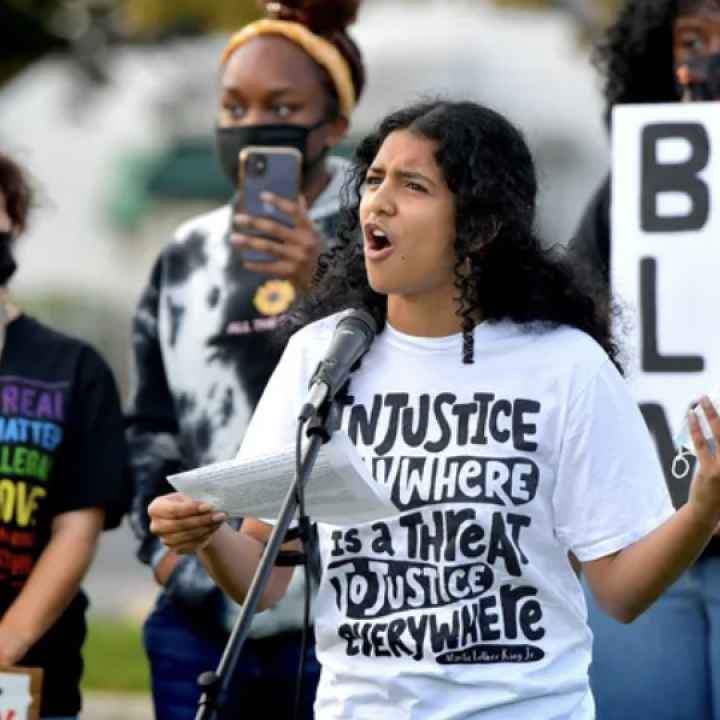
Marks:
<point>10,310</point>
<point>424,316</point>
<point>316,184</point>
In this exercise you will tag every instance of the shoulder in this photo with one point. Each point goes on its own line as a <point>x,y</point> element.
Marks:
<point>197,243</point>
<point>570,354</point>
<point>205,225</point>
<point>41,338</point>
<point>309,344</point>
<point>575,347</point>
<point>194,236</point>
<point>37,333</point>
<point>314,333</point>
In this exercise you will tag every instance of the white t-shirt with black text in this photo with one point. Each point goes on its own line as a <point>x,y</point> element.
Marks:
<point>465,604</point>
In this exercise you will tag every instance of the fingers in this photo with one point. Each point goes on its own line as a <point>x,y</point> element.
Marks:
<point>188,535</point>
<point>295,249</point>
<point>190,539</point>
<point>702,450</point>
<point>296,210</point>
<point>176,506</point>
<point>279,250</point>
<point>712,417</point>
<point>183,524</point>
<point>164,526</point>
<point>265,226</point>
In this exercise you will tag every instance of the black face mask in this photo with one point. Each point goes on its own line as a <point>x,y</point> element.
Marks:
<point>7,262</point>
<point>231,140</point>
<point>707,69</point>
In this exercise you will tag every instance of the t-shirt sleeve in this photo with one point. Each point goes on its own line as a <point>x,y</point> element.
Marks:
<point>610,487</point>
<point>95,469</point>
<point>274,423</point>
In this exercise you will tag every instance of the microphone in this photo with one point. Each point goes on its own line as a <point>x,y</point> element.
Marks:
<point>352,339</point>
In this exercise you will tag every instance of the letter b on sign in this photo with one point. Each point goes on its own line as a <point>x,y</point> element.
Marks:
<point>676,177</point>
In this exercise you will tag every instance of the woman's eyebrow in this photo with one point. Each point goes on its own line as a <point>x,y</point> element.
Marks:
<point>280,91</point>
<point>413,175</point>
<point>273,92</point>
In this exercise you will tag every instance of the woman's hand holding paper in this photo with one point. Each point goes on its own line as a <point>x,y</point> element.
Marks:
<point>183,524</point>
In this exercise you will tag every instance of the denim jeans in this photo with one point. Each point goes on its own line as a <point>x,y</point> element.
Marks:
<point>264,681</point>
<point>666,664</point>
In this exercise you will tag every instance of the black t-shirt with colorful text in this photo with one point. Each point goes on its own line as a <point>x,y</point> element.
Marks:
<point>61,449</point>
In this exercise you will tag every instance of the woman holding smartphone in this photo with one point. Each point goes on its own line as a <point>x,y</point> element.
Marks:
<point>203,341</point>
<point>491,411</point>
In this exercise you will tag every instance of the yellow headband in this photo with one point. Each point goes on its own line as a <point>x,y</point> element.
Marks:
<point>322,51</point>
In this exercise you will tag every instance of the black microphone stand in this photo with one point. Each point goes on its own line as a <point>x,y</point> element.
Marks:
<point>215,685</point>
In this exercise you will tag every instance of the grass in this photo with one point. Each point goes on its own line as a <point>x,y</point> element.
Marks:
<point>114,657</point>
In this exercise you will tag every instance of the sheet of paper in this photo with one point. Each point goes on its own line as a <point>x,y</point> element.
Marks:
<point>340,490</point>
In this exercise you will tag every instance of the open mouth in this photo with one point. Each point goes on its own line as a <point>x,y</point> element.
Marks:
<point>376,239</point>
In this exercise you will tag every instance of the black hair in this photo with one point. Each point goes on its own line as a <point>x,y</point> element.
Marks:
<point>17,190</point>
<point>502,270</point>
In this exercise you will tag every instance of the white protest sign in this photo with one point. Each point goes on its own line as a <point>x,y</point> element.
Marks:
<point>665,259</point>
<point>16,695</point>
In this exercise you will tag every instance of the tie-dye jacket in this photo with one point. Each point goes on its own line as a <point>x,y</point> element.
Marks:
<point>203,350</point>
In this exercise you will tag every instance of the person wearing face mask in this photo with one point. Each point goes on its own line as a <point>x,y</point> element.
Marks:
<point>667,664</point>
<point>204,344</point>
<point>655,52</point>
<point>63,472</point>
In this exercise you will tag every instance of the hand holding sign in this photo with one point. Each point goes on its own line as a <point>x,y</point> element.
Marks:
<point>664,261</point>
<point>705,488</point>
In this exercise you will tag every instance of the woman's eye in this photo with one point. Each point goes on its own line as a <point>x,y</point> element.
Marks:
<point>693,43</point>
<point>416,187</point>
<point>373,181</point>
<point>283,111</point>
<point>234,109</point>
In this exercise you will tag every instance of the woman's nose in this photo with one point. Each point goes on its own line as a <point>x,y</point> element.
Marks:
<point>381,200</point>
<point>255,116</point>
<point>714,42</point>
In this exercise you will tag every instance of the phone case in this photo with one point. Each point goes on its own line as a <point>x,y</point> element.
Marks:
<point>267,169</point>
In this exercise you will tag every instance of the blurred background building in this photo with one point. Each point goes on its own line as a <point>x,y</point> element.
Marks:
<point>111,105</point>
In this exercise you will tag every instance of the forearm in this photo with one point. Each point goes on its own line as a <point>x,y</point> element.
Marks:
<point>629,582</point>
<point>232,558</point>
<point>53,583</point>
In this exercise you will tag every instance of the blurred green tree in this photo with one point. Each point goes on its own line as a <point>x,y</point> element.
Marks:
<point>31,28</point>
<point>160,16</point>
<point>591,15</point>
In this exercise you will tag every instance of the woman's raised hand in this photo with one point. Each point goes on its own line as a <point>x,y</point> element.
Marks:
<point>705,488</point>
<point>295,249</point>
<point>184,525</point>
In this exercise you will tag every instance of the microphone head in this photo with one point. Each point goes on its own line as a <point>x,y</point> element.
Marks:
<point>361,320</point>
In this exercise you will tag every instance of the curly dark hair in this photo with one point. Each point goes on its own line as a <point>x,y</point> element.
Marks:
<point>502,271</point>
<point>636,54</point>
<point>16,188</point>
